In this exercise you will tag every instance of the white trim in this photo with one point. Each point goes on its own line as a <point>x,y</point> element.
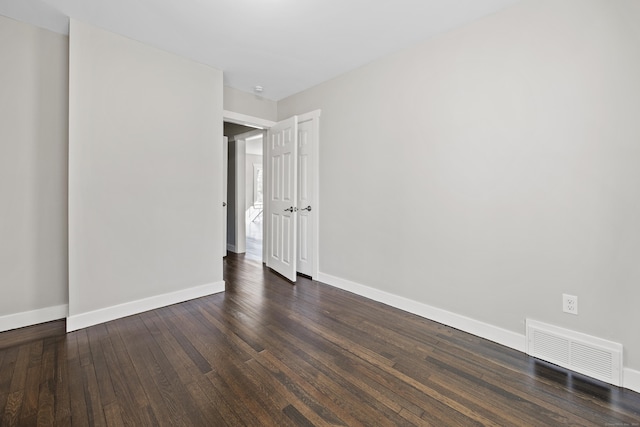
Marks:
<point>631,379</point>
<point>265,195</point>
<point>240,194</point>
<point>252,134</point>
<point>84,320</point>
<point>34,317</point>
<point>243,119</point>
<point>466,324</point>
<point>224,180</point>
<point>315,114</point>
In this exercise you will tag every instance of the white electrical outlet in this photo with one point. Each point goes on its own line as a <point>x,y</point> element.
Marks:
<point>570,304</point>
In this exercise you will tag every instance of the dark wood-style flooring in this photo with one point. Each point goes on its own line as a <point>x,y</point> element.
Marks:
<point>266,353</point>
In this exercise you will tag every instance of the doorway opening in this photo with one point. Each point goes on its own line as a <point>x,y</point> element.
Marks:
<point>254,197</point>
<point>245,200</point>
<point>273,198</point>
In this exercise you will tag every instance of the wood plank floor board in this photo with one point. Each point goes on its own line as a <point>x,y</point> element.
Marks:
<point>62,399</point>
<point>236,403</point>
<point>46,390</point>
<point>368,410</point>
<point>29,409</point>
<point>256,399</point>
<point>493,386</point>
<point>136,343</point>
<point>324,361</point>
<point>167,334</point>
<point>177,354</point>
<point>123,384</point>
<point>78,408</point>
<point>205,332</point>
<point>269,353</point>
<point>125,379</point>
<point>16,389</point>
<point>309,387</point>
<point>7,365</point>
<point>98,343</point>
<point>495,378</point>
<point>311,411</point>
<point>20,336</point>
<point>158,369</point>
<point>113,415</point>
<point>205,396</point>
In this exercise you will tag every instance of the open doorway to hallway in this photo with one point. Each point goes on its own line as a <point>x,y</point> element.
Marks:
<point>256,216</point>
<point>254,197</point>
<point>245,190</point>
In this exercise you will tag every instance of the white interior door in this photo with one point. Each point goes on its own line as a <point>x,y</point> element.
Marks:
<point>306,213</point>
<point>282,162</point>
<point>225,168</point>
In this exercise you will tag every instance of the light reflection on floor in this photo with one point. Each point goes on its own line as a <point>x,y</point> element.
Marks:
<point>254,239</point>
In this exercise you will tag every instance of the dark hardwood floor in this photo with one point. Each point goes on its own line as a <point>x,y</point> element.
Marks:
<point>268,353</point>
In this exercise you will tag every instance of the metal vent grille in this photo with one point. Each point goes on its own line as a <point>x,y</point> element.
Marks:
<point>579,352</point>
<point>592,359</point>
<point>550,346</point>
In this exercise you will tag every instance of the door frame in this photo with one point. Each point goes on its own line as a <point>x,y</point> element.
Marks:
<point>225,210</point>
<point>261,125</point>
<point>240,208</point>
<point>243,119</point>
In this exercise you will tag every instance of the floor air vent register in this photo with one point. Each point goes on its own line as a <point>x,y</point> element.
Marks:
<point>588,355</point>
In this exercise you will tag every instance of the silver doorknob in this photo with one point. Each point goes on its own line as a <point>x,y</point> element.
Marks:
<point>308,208</point>
<point>291,209</point>
<point>224,204</point>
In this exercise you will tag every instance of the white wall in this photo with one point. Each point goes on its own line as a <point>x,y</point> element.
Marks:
<point>521,134</point>
<point>249,104</point>
<point>33,174</point>
<point>145,170</point>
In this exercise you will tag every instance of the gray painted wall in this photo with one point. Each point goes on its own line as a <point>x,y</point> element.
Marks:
<point>145,171</point>
<point>520,135</point>
<point>249,104</point>
<point>33,168</point>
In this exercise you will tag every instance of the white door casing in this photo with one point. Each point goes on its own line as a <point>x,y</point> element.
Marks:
<point>225,167</point>
<point>281,161</point>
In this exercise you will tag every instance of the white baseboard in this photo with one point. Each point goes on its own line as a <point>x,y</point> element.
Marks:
<point>232,248</point>
<point>28,318</point>
<point>631,379</point>
<point>475,327</point>
<point>84,320</point>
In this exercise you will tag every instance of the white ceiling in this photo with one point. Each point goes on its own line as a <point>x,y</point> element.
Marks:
<point>283,45</point>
